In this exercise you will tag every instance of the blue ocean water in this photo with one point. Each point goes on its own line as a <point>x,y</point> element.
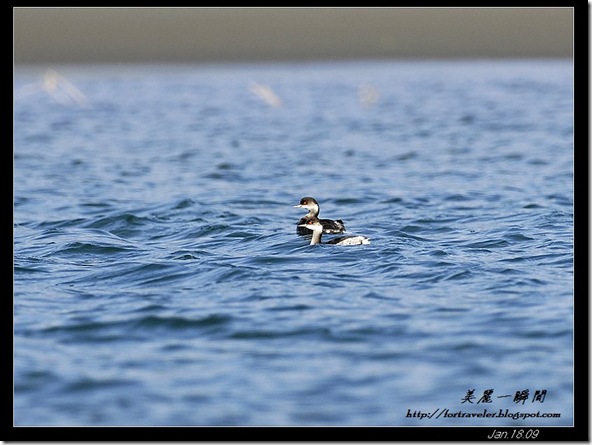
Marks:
<point>159,279</point>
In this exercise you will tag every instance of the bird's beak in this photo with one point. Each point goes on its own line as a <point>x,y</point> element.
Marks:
<point>298,206</point>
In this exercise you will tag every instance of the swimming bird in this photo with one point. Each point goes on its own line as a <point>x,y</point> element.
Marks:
<point>313,207</point>
<point>317,232</point>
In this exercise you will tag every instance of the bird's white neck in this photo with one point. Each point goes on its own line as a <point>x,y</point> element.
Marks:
<point>316,237</point>
<point>313,212</point>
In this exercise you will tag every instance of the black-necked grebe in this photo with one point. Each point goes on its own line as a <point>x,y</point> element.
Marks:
<point>317,232</point>
<point>313,207</point>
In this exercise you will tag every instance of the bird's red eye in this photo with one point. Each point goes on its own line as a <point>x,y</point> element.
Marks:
<point>304,202</point>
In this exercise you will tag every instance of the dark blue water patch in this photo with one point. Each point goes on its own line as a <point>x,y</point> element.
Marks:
<point>208,323</point>
<point>184,204</point>
<point>225,175</point>
<point>82,248</point>
<point>363,335</point>
<point>433,274</point>
<point>61,242</point>
<point>84,331</point>
<point>20,200</point>
<point>135,274</point>
<point>30,380</point>
<point>460,275</point>
<point>410,155</point>
<point>33,266</point>
<point>56,226</point>
<point>88,384</point>
<point>208,230</point>
<point>348,201</point>
<point>226,273</point>
<point>487,244</point>
<point>438,253</point>
<point>518,282</point>
<point>125,225</point>
<point>150,308</point>
<point>271,260</point>
<point>457,197</point>
<point>394,200</point>
<point>517,235</point>
<point>407,231</point>
<point>562,200</point>
<point>296,307</point>
<point>136,329</point>
<point>437,220</point>
<point>183,255</point>
<point>310,334</point>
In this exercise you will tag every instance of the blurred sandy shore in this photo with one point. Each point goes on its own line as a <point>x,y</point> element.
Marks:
<point>103,35</point>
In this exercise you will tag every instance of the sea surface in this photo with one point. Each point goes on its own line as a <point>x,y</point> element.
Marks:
<point>159,279</point>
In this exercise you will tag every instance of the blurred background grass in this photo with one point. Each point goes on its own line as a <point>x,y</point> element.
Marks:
<point>190,35</point>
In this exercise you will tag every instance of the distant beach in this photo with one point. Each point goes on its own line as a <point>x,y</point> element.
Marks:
<point>194,35</point>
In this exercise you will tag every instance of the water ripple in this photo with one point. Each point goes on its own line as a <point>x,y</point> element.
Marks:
<point>158,278</point>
